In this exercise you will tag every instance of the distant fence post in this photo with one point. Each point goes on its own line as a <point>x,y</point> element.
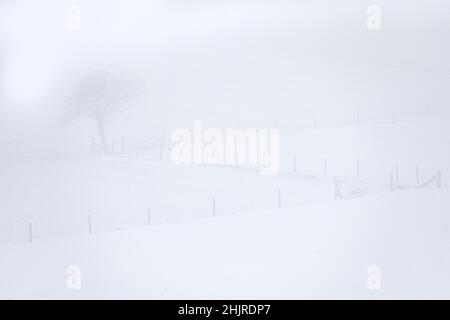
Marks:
<point>162,146</point>
<point>137,149</point>
<point>214,206</point>
<point>397,169</point>
<point>93,145</point>
<point>294,164</point>
<point>357,169</point>
<point>90,224</point>
<point>279,198</point>
<point>392,182</point>
<point>163,138</point>
<point>439,179</point>
<point>30,232</point>
<point>337,188</point>
<point>417,175</point>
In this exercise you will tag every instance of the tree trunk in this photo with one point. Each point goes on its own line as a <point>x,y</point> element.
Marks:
<point>102,134</point>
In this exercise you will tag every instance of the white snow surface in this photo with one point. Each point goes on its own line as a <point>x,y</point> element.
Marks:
<point>312,247</point>
<point>314,251</point>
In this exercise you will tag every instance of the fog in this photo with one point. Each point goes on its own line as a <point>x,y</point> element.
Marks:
<point>220,60</point>
<point>223,62</point>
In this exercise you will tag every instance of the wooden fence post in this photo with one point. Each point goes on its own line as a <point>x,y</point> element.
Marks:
<point>439,179</point>
<point>163,139</point>
<point>93,145</point>
<point>90,224</point>
<point>392,182</point>
<point>337,188</point>
<point>397,169</point>
<point>30,232</point>
<point>279,198</point>
<point>417,175</point>
<point>357,169</point>
<point>137,149</point>
<point>294,169</point>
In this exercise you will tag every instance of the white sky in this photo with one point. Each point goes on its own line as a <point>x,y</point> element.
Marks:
<point>203,50</point>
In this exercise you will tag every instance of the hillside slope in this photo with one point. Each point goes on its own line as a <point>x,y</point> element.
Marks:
<point>305,252</point>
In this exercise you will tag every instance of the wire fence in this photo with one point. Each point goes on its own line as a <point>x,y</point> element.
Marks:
<point>319,189</point>
<point>309,181</point>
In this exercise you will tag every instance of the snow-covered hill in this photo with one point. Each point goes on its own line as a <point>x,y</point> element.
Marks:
<point>59,195</point>
<point>217,232</point>
<point>314,251</point>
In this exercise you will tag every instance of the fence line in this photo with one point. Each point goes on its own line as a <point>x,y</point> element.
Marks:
<point>340,185</point>
<point>344,187</point>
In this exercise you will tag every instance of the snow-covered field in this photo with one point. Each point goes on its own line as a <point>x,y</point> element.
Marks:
<point>315,251</point>
<point>118,192</point>
<point>243,245</point>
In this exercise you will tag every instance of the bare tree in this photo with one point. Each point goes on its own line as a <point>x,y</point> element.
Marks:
<point>99,96</point>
